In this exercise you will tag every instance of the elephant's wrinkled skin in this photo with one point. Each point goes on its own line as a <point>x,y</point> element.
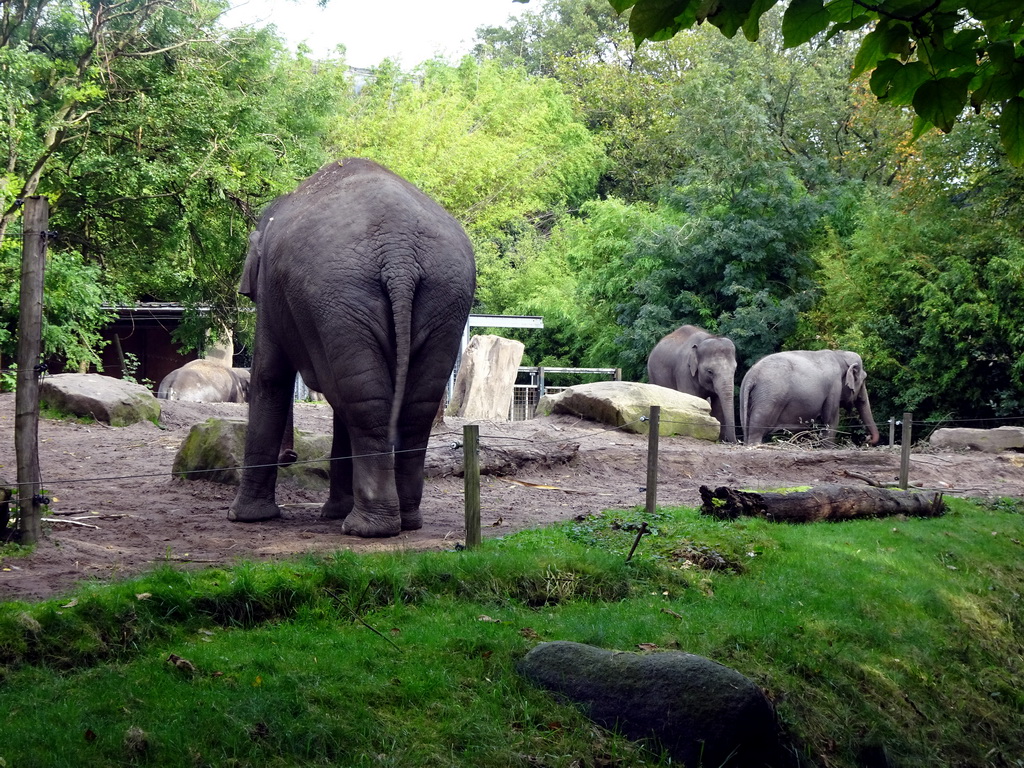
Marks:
<point>693,361</point>
<point>793,390</point>
<point>203,381</point>
<point>363,285</point>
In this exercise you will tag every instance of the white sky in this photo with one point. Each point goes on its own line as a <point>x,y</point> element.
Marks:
<point>411,31</point>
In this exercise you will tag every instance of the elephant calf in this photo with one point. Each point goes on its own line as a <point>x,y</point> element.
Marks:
<point>792,390</point>
<point>693,361</point>
<point>203,381</point>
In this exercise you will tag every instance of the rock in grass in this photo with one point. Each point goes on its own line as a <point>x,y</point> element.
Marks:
<point>136,742</point>
<point>701,712</point>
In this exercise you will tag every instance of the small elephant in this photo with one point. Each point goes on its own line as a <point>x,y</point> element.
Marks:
<point>792,390</point>
<point>363,285</point>
<point>203,381</point>
<point>698,363</point>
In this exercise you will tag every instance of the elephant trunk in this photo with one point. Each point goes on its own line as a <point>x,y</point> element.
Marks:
<point>724,393</point>
<point>864,410</point>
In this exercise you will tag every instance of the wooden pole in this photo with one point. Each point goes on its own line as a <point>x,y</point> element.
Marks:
<point>905,455</point>
<point>471,478</point>
<point>35,222</point>
<point>892,433</point>
<point>652,459</point>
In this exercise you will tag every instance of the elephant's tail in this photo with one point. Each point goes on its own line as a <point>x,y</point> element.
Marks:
<point>401,294</point>
<point>744,402</point>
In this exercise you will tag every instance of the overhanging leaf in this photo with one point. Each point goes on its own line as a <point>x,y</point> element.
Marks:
<point>1011,130</point>
<point>621,6</point>
<point>921,127</point>
<point>660,19</point>
<point>803,20</point>
<point>941,101</point>
<point>869,53</point>
<point>991,9</point>
<point>896,82</point>
<point>752,26</point>
<point>731,15</point>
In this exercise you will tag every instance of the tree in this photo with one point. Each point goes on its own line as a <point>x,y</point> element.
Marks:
<point>736,260</point>
<point>576,277</point>
<point>490,143</point>
<point>157,135</point>
<point>938,56</point>
<point>926,284</point>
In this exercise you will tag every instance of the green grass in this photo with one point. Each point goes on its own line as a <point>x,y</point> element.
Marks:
<point>902,635</point>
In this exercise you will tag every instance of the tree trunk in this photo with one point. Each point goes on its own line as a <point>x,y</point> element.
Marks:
<point>826,502</point>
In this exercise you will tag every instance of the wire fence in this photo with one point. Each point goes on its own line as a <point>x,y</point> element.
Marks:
<point>814,434</point>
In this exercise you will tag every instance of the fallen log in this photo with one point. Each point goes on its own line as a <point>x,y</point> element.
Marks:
<point>826,502</point>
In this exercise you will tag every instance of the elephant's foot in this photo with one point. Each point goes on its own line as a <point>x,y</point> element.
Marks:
<point>253,510</point>
<point>412,520</point>
<point>360,524</point>
<point>336,510</point>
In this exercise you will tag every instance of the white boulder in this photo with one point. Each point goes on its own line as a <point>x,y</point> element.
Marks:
<point>624,403</point>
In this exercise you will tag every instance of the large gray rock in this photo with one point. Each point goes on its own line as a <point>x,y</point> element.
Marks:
<point>215,449</point>
<point>623,403</point>
<point>486,379</point>
<point>702,713</point>
<point>112,401</point>
<point>987,440</point>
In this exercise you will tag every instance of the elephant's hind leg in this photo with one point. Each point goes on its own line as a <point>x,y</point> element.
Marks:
<point>374,501</point>
<point>269,407</point>
<point>341,500</point>
<point>414,434</point>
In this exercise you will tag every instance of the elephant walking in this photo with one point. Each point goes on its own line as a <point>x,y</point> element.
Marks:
<point>363,285</point>
<point>693,361</point>
<point>792,390</point>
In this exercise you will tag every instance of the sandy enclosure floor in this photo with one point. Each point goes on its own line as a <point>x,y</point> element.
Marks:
<point>118,480</point>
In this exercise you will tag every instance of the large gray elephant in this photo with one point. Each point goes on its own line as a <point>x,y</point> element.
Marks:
<point>793,390</point>
<point>696,362</point>
<point>204,381</point>
<point>363,285</point>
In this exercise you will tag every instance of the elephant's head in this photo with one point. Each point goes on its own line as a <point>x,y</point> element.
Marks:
<point>712,363</point>
<point>855,392</point>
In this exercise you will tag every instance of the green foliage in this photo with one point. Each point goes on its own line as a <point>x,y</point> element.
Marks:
<point>738,263</point>
<point>926,289</point>
<point>491,144</point>
<point>157,137</point>
<point>580,264</point>
<point>939,57</point>
<point>73,312</point>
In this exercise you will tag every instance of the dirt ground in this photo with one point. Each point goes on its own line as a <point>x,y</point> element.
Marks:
<point>117,480</point>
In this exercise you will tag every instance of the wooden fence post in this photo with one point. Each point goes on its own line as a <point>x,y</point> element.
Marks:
<point>892,433</point>
<point>652,459</point>
<point>35,223</point>
<point>471,479</point>
<point>905,455</point>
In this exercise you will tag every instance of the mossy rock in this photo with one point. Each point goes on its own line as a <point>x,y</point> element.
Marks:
<point>215,451</point>
<point>116,402</point>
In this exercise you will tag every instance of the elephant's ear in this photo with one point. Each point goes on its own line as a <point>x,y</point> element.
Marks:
<point>251,270</point>
<point>854,377</point>
<point>692,360</point>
